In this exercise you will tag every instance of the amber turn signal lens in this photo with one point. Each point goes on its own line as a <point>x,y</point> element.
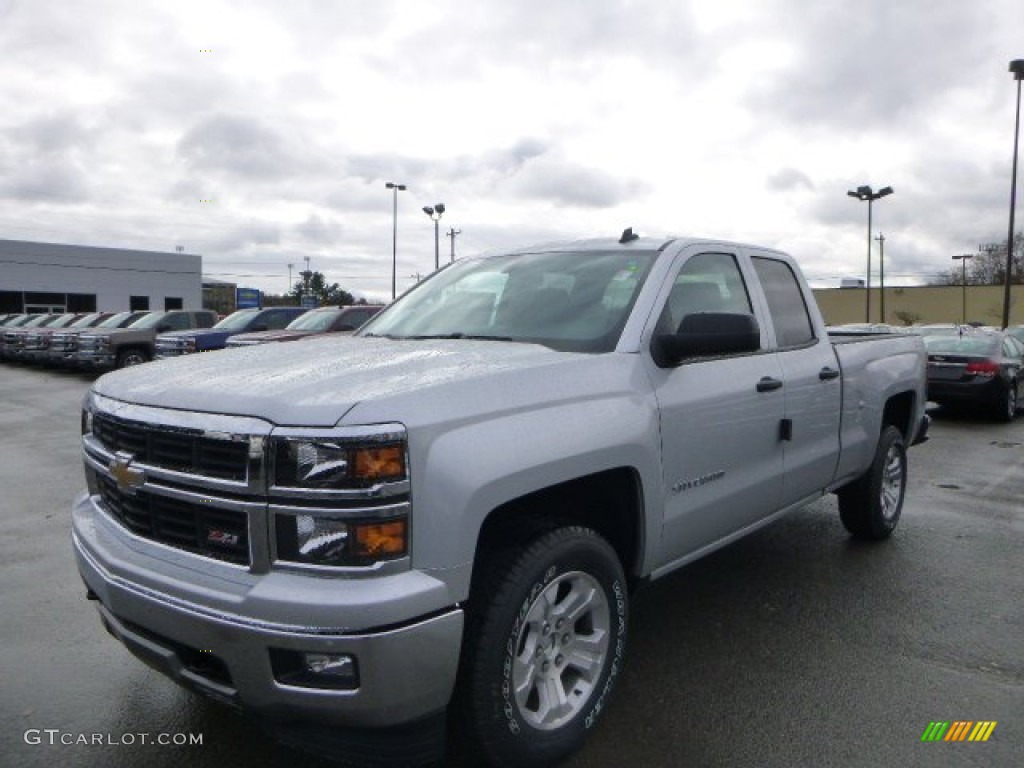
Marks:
<point>380,539</point>
<point>383,463</point>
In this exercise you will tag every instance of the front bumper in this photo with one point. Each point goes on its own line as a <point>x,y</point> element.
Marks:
<point>210,626</point>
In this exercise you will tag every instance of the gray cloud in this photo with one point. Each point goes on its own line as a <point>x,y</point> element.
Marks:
<point>787,179</point>
<point>237,146</point>
<point>569,184</point>
<point>874,64</point>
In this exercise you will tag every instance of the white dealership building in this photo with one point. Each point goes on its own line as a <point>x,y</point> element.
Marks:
<point>51,277</point>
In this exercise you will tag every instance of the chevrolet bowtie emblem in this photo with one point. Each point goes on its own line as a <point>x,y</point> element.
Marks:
<point>128,478</point>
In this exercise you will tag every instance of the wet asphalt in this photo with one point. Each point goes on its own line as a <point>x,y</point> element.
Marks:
<point>793,647</point>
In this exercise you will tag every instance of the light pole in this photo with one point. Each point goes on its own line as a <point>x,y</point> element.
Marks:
<point>865,193</point>
<point>881,276</point>
<point>1017,68</point>
<point>435,212</point>
<point>395,188</point>
<point>963,261</point>
<point>452,232</point>
<point>290,286</point>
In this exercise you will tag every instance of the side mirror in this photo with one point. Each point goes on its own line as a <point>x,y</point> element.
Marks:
<point>345,327</point>
<point>258,327</point>
<point>164,328</point>
<point>707,334</point>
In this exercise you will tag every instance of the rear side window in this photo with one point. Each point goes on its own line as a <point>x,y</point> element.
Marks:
<point>786,302</point>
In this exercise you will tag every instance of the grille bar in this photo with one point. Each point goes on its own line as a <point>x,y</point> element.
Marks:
<point>198,528</point>
<point>181,450</point>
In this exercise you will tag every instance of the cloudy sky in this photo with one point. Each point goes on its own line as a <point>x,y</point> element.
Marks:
<point>262,133</point>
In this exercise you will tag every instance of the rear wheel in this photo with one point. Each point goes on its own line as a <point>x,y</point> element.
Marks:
<point>544,647</point>
<point>870,506</point>
<point>1005,406</point>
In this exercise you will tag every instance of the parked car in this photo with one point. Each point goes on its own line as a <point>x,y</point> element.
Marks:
<point>939,329</point>
<point>438,520</point>
<point>12,321</point>
<point>179,343</point>
<point>1017,331</point>
<point>313,322</point>
<point>861,328</point>
<point>14,338</point>
<point>36,348</point>
<point>64,343</point>
<point>982,368</point>
<point>135,344</point>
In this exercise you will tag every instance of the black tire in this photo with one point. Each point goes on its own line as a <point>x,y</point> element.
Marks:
<point>126,358</point>
<point>516,639</point>
<point>870,506</point>
<point>1004,407</point>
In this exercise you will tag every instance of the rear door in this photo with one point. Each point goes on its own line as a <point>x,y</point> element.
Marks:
<point>813,388</point>
<point>721,454</point>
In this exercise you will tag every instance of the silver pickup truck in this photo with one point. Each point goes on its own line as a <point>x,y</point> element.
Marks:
<point>435,525</point>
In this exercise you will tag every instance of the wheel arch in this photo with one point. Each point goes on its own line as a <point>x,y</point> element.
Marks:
<point>610,502</point>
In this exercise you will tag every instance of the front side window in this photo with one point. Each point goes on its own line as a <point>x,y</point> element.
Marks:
<point>786,303</point>
<point>707,282</point>
<point>572,301</point>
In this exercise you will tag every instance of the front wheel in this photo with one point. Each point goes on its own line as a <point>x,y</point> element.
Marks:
<point>870,506</point>
<point>129,357</point>
<point>544,647</point>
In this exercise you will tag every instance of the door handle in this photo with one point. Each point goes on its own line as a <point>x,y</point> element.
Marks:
<point>768,384</point>
<point>827,374</point>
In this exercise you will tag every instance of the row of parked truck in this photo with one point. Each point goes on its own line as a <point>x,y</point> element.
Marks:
<point>108,340</point>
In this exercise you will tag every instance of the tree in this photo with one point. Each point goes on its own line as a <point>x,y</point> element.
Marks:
<point>325,294</point>
<point>988,267</point>
<point>907,318</point>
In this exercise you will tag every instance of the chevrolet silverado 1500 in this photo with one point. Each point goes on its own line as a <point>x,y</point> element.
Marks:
<point>445,513</point>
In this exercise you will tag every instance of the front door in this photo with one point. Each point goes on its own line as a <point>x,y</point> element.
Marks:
<point>720,419</point>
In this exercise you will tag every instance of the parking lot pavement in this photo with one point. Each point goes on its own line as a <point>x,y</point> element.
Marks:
<point>795,646</point>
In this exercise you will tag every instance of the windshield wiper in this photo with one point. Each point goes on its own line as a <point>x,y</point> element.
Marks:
<point>460,335</point>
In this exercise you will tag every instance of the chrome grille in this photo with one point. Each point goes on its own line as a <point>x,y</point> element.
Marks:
<point>199,528</point>
<point>181,450</point>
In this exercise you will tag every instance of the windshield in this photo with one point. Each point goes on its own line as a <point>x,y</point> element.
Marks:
<point>573,301</point>
<point>965,345</point>
<point>237,320</point>
<point>317,320</point>
<point>40,320</point>
<point>83,322</point>
<point>148,321</point>
<point>114,320</point>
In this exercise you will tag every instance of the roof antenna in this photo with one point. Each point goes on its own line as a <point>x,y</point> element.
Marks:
<point>628,236</point>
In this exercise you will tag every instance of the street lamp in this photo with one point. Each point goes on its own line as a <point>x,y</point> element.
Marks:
<point>395,188</point>
<point>963,261</point>
<point>1017,68</point>
<point>290,286</point>
<point>435,213</point>
<point>453,233</point>
<point>865,193</point>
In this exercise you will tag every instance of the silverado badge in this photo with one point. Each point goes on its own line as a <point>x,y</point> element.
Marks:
<point>128,478</point>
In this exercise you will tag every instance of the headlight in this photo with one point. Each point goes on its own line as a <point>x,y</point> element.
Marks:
<point>88,408</point>
<point>318,539</point>
<point>336,464</point>
<point>340,497</point>
<point>189,344</point>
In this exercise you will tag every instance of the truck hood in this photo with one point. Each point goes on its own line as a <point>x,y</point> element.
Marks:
<point>318,382</point>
